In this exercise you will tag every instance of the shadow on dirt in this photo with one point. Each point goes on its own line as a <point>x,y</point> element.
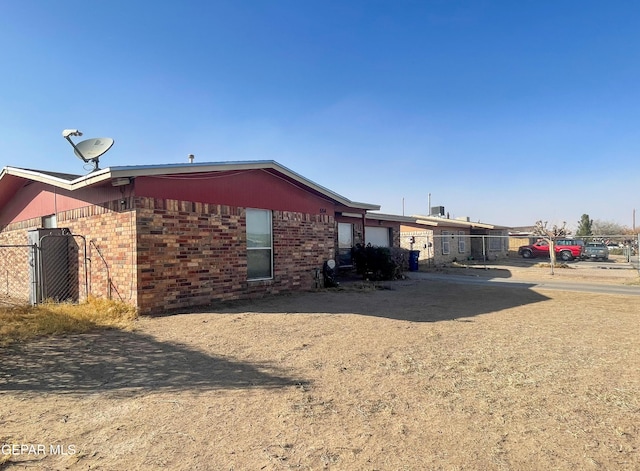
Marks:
<point>412,300</point>
<point>127,363</point>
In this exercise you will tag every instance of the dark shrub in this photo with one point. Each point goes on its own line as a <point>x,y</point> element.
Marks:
<point>379,263</point>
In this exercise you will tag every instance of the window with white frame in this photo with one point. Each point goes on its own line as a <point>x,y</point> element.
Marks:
<point>462,242</point>
<point>445,243</point>
<point>259,244</point>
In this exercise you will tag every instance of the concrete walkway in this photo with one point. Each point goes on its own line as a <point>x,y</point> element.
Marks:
<point>482,277</point>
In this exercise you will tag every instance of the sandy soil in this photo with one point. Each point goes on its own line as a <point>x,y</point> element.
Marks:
<point>413,375</point>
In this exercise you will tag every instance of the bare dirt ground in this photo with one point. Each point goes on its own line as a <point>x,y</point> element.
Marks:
<point>418,375</point>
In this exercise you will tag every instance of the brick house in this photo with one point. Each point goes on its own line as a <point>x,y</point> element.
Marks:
<point>442,240</point>
<point>172,236</point>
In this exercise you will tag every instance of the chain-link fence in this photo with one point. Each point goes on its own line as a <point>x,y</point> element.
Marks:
<point>436,249</point>
<point>458,246</point>
<point>52,267</point>
<point>15,287</point>
<point>623,247</point>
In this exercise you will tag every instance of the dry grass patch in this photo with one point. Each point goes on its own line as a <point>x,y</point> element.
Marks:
<point>20,323</point>
<point>4,458</point>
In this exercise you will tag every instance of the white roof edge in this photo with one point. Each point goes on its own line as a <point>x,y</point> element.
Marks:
<point>452,222</point>
<point>391,217</point>
<point>425,222</point>
<point>37,176</point>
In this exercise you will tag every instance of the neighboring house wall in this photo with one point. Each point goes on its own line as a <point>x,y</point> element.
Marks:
<point>437,246</point>
<point>515,242</point>
<point>494,243</point>
<point>443,245</point>
<point>422,241</point>
<point>451,245</point>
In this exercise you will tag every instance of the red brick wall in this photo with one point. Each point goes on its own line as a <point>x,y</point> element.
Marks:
<point>108,228</point>
<point>189,254</point>
<point>193,254</point>
<point>301,243</point>
<point>110,233</point>
<point>165,254</point>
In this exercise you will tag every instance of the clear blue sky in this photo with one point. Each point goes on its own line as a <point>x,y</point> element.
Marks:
<point>504,111</point>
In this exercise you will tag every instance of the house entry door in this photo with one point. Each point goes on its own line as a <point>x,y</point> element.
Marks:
<point>345,243</point>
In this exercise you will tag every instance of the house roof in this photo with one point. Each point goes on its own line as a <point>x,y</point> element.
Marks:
<point>429,221</point>
<point>12,178</point>
<point>375,216</point>
<point>522,228</point>
<point>62,176</point>
<point>436,221</point>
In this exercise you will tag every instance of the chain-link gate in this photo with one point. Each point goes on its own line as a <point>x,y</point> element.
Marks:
<point>61,273</point>
<point>52,267</point>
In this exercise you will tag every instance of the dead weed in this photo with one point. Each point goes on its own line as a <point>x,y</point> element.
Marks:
<point>23,322</point>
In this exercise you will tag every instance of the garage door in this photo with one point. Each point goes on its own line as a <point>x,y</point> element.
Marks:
<point>377,236</point>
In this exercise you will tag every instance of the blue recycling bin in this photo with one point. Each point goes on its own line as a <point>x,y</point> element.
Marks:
<point>414,255</point>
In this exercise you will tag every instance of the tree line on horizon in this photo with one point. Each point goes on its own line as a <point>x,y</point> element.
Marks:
<point>588,227</point>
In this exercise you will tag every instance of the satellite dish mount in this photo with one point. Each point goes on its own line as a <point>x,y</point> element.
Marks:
<point>88,151</point>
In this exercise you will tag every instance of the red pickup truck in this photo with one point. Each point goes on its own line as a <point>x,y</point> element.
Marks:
<point>566,249</point>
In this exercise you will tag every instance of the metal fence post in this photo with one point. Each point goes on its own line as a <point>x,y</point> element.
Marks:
<point>484,252</point>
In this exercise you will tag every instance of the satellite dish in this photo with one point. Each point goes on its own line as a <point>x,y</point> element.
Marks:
<point>93,148</point>
<point>89,150</point>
